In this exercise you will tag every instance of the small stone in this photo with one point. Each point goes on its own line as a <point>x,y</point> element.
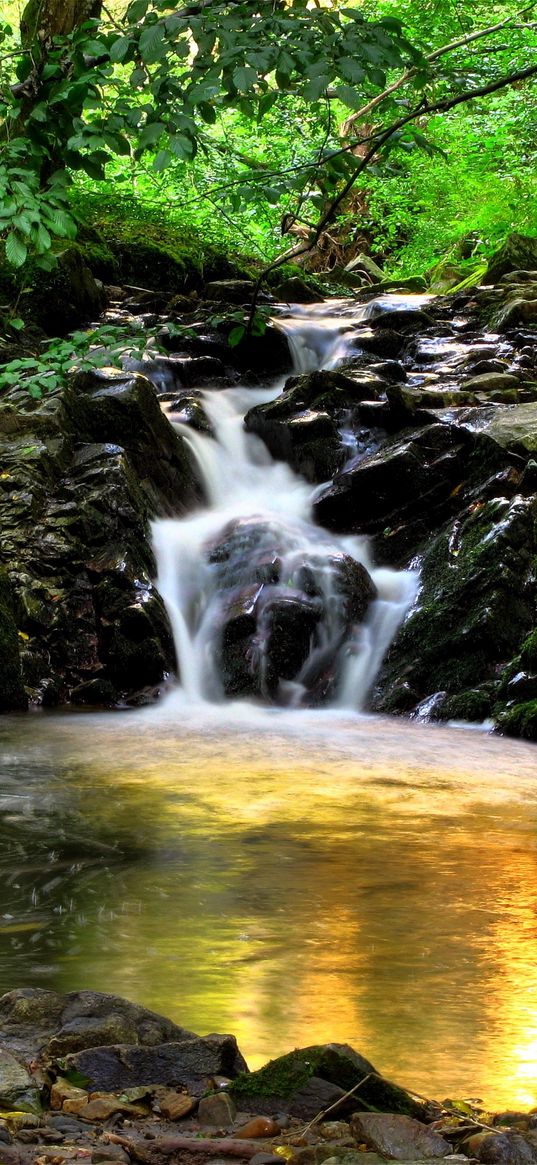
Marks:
<point>334,1130</point>
<point>20,1120</point>
<point>105,1153</point>
<point>400,1137</point>
<point>174,1105</point>
<point>218,1111</point>
<point>259,1126</point>
<point>75,1105</point>
<point>62,1090</point>
<point>265,1159</point>
<point>101,1108</point>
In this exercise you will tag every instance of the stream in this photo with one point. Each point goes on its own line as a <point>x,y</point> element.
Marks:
<point>286,872</point>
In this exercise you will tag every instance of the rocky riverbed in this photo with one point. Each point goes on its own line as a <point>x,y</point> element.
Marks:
<point>91,1077</point>
<point>424,438</point>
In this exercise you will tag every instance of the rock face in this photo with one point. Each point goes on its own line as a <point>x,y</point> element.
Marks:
<point>82,474</point>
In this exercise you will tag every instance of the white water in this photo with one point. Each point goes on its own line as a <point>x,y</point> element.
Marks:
<point>242,483</point>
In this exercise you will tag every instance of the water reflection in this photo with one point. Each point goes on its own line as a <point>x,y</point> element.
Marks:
<point>355,881</point>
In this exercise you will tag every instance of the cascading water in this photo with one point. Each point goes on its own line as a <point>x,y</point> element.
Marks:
<point>262,602</point>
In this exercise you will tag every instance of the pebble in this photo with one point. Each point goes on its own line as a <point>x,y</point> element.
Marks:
<point>217,1111</point>
<point>260,1126</point>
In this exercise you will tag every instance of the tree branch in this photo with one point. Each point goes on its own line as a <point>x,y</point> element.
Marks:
<point>407,76</point>
<point>423,109</point>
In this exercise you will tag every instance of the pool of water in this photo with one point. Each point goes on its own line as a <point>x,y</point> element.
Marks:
<point>289,877</point>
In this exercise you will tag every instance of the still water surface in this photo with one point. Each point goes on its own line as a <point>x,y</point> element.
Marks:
<point>287,879</point>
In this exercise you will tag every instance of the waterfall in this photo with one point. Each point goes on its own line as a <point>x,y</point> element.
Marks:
<point>263,603</point>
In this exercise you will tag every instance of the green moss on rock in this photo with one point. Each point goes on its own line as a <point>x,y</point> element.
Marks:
<point>521,720</point>
<point>284,1078</point>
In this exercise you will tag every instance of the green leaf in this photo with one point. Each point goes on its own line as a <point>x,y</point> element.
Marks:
<point>17,324</point>
<point>236,335</point>
<point>16,249</point>
<point>120,48</point>
<point>152,45</point>
<point>137,10</point>
<point>351,70</point>
<point>244,77</point>
<point>162,160</point>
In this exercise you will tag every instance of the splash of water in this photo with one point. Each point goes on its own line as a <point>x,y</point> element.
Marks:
<point>257,505</point>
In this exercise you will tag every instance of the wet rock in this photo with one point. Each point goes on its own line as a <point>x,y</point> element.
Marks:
<point>402,318</point>
<point>398,1137</point>
<point>302,426</point>
<point>217,1111</point>
<point>186,1063</point>
<point>30,1018</point>
<point>501,1148</point>
<point>188,410</point>
<point>475,605</point>
<point>516,313</point>
<point>280,603</point>
<point>406,486</point>
<point>108,405</point>
<point>296,290</point>
<point>492,382</point>
<point>18,1090</point>
<point>293,1084</point>
<point>383,341</point>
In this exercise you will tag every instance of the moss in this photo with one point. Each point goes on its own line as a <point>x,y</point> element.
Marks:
<point>12,694</point>
<point>474,705</point>
<point>528,655</point>
<point>521,720</point>
<point>284,1077</point>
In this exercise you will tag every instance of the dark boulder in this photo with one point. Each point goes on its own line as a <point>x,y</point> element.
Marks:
<point>290,1084</point>
<point>475,607</point>
<point>280,604</point>
<point>403,489</point>
<point>114,406</point>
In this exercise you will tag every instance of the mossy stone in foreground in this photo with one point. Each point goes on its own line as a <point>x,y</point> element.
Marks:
<point>12,693</point>
<point>282,1080</point>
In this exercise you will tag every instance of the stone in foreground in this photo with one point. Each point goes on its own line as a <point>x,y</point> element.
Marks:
<point>306,1081</point>
<point>398,1137</point>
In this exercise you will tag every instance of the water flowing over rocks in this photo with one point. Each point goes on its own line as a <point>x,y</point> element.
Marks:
<point>414,426</point>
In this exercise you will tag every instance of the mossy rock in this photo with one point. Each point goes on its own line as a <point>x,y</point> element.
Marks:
<point>12,695</point>
<point>474,611</point>
<point>521,720</point>
<point>283,1080</point>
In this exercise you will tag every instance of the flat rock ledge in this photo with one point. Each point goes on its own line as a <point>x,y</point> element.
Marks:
<point>91,1077</point>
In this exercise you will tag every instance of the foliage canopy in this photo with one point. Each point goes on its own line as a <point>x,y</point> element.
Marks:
<point>279,102</point>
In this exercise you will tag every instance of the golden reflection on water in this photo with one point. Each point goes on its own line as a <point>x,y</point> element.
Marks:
<point>363,882</point>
